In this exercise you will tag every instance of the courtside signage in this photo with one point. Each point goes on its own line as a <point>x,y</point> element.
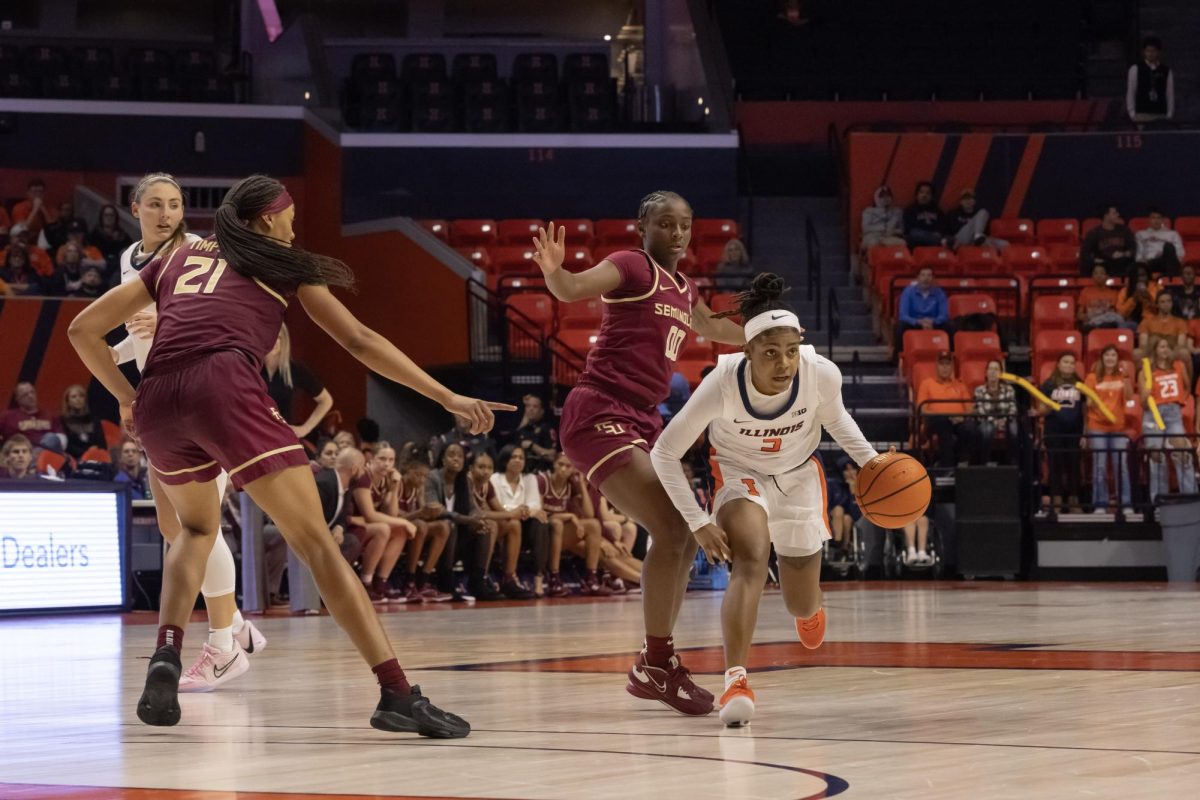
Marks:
<point>60,550</point>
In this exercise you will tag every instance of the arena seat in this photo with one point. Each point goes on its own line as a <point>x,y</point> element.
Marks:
<point>96,454</point>
<point>917,375</point>
<point>617,234</point>
<point>1191,253</point>
<point>478,256</point>
<point>976,346</point>
<point>1087,224</point>
<point>537,306</point>
<point>579,231</point>
<point>518,232</point>
<point>1052,312</point>
<point>113,435</point>
<point>708,257</point>
<point>578,259</point>
<point>724,301</point>
<point>1024,259</point>
<point>941,260</point>
<point>1188,229</point>
<point>698,348</point>
<point>1063,257</point>
<point>978,260</point>
<point>467,232</point>
<point>583,314</point>
<point>423,67</point>
<point>1142,223</point>
<point>973,373</point>
<point>962,305</point>
<point>1014,230</point>
<point>578,339</point>
<point>1100,338</point>
<point>691,369</point>
<point>1058,231</point>
<point>713,231</point>
<point>438,227</point>
<point>513,260</point>
<point>921,347</point>
<point>1048,345</point>
<point>474,67</point>
<point>48,459</point>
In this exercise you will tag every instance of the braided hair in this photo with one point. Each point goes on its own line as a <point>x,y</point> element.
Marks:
<point>763,295</point>
<point>256,255</point>
<point>656,198</point>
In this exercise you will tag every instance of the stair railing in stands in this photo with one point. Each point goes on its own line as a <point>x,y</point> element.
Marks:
<point>834,329</point>
<point>745,189</point>
<point>813,254</point>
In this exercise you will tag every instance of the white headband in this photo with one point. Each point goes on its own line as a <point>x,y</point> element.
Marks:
<point>771,319</point>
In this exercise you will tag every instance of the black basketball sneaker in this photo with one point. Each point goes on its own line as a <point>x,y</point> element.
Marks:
<point>412,713</point>
<point>160,699</point>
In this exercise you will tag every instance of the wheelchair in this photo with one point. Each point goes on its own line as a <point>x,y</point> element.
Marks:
<point>893,555</point>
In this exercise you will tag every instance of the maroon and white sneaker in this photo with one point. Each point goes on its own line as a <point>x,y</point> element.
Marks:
<point>672,686</point>
<point>615,584</point>
<point>412,592</point>
<point>430,593</point>
<point>376,590</point>
<point>554,586</point>
<point>592,587</point>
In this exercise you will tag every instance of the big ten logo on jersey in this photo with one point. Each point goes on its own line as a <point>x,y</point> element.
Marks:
<point>612,428</point>
<point>192,281</point>
<point>675,338</point>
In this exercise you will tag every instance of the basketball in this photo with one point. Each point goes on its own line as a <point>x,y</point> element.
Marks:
<point>893,490</point>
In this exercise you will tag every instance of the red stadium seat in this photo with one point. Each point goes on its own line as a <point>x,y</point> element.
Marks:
<point>1058,231</point>
<point>514,260</point>
<point>713,231</point>
<point>1053,312</point>
<point>918,374</point>
<point>1100,338</point>
<point>725,301</point>
<point>973,373</point>
<point>1064,257</point>
<point>518,232</point>
<point>47,460</point>
<point>583,314</point>
<point>96,454</point>
<point>1024,259</point>
<point>887,263</point>
<point>687,262</point>
<point>537,306</point>
<point>963,304</point>
<point>1048,345</point>
<point>691,369</point>
<point>708,256</point>
<point>1133,418</point>
<point>113,435</point>
<point>939,259</point>
<point>578,339</point>
<point>438,227</point>
<point>921,346</point>
<point>1014,230</point>
<point>579,231</point>
<point>616,234</point>
<point>1142,223</point>
<point>1188,228</point>
<point>884,255</point>
<point>468,232</point>
<point>1191,253</point>
<point>1086,225</point>
<point>978,260</point>
<point>698,348</point>
<point>977,346</point>
<point>578,258</point>
<point>478,256</point>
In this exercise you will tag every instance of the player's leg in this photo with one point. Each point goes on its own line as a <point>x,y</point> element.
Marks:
<point>658,674</point>
<point>412,571</point>
<point>800,582</point>
<point>289,496</point>
<point>837,519</point>
<point>439,534</point>
<point>745,523</point>
<point>584,536</point>
<point>397,537</point>
<point>562,537</point>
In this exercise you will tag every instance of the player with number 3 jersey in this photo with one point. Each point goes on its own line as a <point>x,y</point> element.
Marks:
<point>610,419</point>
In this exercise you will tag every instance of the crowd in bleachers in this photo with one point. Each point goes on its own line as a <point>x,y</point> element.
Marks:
<point>48,250</point>
<point>1129,331</point>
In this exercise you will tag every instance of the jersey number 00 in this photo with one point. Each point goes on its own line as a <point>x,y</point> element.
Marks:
<point>675,338</point>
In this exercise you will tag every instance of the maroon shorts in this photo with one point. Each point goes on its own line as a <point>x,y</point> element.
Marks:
<point>211,414</point>
<point>599,432</point>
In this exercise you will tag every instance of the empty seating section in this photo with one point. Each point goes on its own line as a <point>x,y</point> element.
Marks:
<point>503,249</point>
<point>469,94</point>
<point>96,72</point>
<point>1034,282</point>
<point>867,50</point>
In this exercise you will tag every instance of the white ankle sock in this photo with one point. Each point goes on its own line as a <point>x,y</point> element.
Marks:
<point>238,622</point>
<point>732,674</point>
<point>221,638</point>
<point>912,551</point>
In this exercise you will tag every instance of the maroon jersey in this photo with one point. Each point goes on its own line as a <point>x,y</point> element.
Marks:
<point>646,321</point>
<point>205,307</point>
<point>361,482</point>
<point>554,502</point>
<point>483,497</point>
<point>411,498</point>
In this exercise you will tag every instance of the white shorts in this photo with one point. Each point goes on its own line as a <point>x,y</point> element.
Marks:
<point>795,503</point>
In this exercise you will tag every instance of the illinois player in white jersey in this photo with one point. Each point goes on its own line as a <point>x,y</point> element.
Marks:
<point>764,409</point>
<point>157,204</point>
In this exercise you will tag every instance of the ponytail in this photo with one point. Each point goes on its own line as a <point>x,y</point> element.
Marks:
<point>763,295</point>
<point>255,255</point>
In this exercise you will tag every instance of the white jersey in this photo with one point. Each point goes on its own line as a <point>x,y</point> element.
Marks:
<point>132,348</point>
<point>749,431</point>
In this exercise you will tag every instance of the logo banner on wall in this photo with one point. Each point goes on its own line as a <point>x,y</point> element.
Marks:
<point>61,550</point>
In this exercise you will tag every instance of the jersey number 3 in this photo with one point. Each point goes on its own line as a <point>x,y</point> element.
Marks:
<point>191,282</point>
<point>675,338</point>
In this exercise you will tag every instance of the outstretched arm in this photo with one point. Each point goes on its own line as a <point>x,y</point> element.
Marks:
<point>722,330</point>
<point>380,355</point>
<point>550,250</point>
<point>834,417</point>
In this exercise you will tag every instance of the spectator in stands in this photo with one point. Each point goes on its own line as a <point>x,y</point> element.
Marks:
<point>1170,389</point>
<point>944,401</point>
<point>109,237</point>
<point>283,375</point>
<point>131,470</point>
<point>432,529</point>
<point>882,223</point>
<point>344,439</point>
<point>735,259</point>
<point>54,235</point>
<point>69,275</point>
<point>38,258</point>
<point>1186,296</point>
<point>32,212</point>
<point>843,509</point>
<point>327,454</point>
<point>1158,246</point>
<point>1137,299</point>
<point>1110,243</point>
<point>1163,325</point>
<point>17,458</point>
<point>1107,441</point>
<point>519,493</point>
<point>924,223</point>
<point>969,224</point>
<point>472,443</point>
<point>1150,86</point>
<point>923,306</point>
<point>502,524</point>
<point>1097,305</point>
<point>916,539</point>
<point>1062,431</point>
<point>536,435</point>
<point>379,507</point>
<point>83,430</point>
<point>91,282</point>
<point>447,487</point>
<point>997,400</point>
<point>19,274</point>
<point>77,233</point>
<point>27,418</point>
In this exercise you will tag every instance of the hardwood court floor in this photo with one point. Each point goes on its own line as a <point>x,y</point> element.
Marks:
<point>973,691</point>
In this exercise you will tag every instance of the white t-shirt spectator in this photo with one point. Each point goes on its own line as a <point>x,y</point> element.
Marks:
<point>1150,243</point>
<point>526,493</point>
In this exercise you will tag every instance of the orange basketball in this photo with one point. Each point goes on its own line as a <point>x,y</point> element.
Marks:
<point>893,490</point>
